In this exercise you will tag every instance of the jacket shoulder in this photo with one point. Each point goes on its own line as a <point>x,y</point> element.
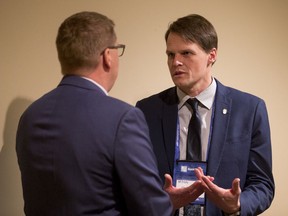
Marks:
<point>236,95</point>
<point>168,96</point>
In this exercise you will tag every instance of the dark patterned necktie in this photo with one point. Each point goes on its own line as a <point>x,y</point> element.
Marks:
<point>193,149</point>
<point>192,210</point>
<point>194,133</point>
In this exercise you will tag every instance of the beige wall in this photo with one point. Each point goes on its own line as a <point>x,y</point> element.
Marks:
<point>252,57</point>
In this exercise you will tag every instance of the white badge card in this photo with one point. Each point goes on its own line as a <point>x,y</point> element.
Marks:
<point>184,176</point>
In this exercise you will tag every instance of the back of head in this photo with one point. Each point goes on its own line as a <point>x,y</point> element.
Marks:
<point>81,39</point>
<point>196,29</point>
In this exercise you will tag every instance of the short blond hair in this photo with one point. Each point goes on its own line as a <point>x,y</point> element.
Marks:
<point>81,39</point>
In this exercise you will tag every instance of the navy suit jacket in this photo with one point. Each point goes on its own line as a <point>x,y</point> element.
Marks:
<point>82,152</point>
<point>240,144</point>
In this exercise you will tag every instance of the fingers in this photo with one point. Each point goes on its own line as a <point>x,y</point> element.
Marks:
<point>207,184</point>
<point>198,172</point>
<point>211,178</point>
<point>196,189</point>
<point>195,186</point>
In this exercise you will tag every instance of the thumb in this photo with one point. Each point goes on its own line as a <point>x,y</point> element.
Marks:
<point>168,181</point>
<point>236,186</point>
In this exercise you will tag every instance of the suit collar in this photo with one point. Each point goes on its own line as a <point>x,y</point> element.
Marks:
<point>97,84</point>
<point>80,82</point>
<point>222,112</point>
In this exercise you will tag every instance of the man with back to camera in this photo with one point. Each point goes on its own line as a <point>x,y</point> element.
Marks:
<point>234,135</point>
<point>81,152</point>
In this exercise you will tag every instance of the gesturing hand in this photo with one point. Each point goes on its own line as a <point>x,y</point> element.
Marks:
<point>226,199</point>
<point>182,196</point>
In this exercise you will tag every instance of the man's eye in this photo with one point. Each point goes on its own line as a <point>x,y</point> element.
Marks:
<point>186,53</point>
<point>170,55</point>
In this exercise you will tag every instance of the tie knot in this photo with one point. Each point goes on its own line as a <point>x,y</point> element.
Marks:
<point>193,102</point>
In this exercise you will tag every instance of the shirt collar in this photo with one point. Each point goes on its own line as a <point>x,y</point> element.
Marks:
<point>206,97</point>
<point>97,84</point>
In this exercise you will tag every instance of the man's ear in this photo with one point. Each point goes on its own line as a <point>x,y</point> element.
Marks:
<point>213,55</point>
<point>107,58</point>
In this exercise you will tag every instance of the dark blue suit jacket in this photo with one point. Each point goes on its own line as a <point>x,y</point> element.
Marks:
<point>82,152</point>
<point>240,144</point>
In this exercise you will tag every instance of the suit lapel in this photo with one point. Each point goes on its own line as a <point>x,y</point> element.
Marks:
<point>223,106</point>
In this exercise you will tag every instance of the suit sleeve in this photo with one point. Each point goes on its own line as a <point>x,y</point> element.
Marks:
<point>258,191</point>
<point>137,169</point>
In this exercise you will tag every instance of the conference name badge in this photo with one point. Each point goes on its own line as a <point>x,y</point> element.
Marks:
<point>184,176</point>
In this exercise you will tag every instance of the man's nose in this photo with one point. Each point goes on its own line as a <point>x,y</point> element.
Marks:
<point>177,61</point>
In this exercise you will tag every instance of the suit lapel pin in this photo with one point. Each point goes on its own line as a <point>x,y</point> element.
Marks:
<point>224,111</point>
